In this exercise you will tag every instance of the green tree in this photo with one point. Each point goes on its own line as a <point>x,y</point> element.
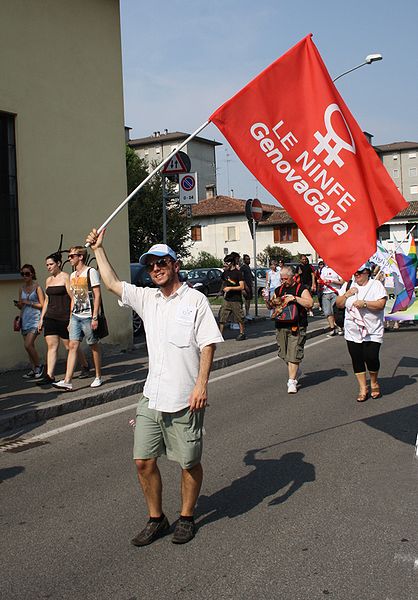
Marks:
<point>146,213</point>
<point>204,260</point>
<point>274,253</point>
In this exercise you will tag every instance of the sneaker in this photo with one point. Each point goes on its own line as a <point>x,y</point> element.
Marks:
<point>184,531</point>
<point>241,337</point>
<point>85,372</point>
<point>29,375</point>
<point>340,331</point>
<point>292,386</point>
<point>152,531</point>
<point>310,313</point>
<point>332,333</point>
<point>39,372</point>
<point>46,380</point>
<point>63,386</point>
<point>97,382</point>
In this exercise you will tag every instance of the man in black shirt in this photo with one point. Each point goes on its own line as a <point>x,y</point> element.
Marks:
<point>307,276</point>
<point>248,283</point>
<point>291,338</point>
<point>233,287</point>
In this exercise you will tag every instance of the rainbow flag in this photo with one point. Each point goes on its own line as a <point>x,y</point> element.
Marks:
<point>408,268</point>
<point>412,253</point>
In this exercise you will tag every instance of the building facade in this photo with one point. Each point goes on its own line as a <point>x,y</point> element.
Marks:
<point>220,226</point>
<point>401,162</point>
<point>62,159</point>
<point>155,148</point>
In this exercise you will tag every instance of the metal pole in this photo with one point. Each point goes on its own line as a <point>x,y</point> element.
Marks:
<point>164,211</point>
<point>158,168</point>
<point>255,271</point>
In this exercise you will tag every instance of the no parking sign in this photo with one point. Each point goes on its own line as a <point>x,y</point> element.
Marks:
<point>188,188</point>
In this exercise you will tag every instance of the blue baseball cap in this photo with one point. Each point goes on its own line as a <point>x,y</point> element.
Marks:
<point>158,250</point>
<point>366,266</point>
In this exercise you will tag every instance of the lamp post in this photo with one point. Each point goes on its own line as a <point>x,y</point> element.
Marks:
<point>370,58</point>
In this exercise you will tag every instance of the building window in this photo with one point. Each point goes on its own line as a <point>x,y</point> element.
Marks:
<point>157,151</point>
<point>383,233</point>
<point>284,234</point>
<point>395,157</point>
<point>9,225</point>
<point>231,234</point>
<point>412,171</point>
<point>412,155</point>
<point>414,189</point>
<point>196,233</point>
<point>395,173</point>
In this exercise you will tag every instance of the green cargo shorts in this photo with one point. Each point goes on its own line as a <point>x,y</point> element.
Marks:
<point>291,344</point>
<point>231,307</point>
<point>178,435</point>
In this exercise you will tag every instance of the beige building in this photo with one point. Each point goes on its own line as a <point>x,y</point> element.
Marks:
<point>220,226</point>
<point>62,167</point>
<point>401,162</point>
<point>155,148</point>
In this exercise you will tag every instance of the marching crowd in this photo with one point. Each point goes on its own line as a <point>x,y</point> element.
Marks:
<point>182,334</point>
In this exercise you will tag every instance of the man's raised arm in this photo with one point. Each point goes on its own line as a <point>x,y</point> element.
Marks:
<point>107,274</point>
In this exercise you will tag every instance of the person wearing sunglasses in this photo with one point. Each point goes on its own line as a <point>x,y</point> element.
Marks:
<point>364,302</point>
<point>85,306</point>
<point>31,301</point>
<point>181,337</point>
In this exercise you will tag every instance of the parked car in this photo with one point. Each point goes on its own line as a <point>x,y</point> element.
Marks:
<point>183,275</point>
<point>141,278</point>
<point>207,281</point>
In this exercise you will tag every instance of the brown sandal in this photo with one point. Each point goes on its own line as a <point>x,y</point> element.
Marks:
<point>375,392</point>
<point>362,397</point>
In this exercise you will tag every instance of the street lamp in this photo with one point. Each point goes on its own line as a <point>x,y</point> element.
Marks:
<point>370,58</point>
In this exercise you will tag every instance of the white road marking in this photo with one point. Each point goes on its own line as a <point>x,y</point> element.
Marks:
<point>117,411</point>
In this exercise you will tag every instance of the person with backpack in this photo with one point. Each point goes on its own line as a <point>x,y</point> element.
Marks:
<point>290,303</point>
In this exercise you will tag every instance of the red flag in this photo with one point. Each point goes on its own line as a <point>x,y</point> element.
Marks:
<point>294,132</point>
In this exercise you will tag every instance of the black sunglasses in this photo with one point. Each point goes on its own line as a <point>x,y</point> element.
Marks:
<point>72,255</point>
<point>25,273</point>
<point>160,263</point>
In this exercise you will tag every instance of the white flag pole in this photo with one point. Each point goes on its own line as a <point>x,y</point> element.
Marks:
<point>158,168</point>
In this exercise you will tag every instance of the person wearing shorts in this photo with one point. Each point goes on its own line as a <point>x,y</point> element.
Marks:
<point>233,286</point>
<point>85,305</point>
<point>291,338</point>
<point>332,283</point>
<point>181,337</point>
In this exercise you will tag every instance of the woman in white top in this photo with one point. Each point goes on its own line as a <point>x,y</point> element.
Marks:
<point>364,304</point>
<point>273,279</point>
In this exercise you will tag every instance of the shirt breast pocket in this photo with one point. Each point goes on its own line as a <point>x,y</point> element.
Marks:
<point>180,334</point>
<point>181,329</point>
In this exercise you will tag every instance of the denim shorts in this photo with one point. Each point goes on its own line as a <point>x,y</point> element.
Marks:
<point>30,330</point>
<point>80,328</point>
<point>178,435</point>
<point>328,301</point>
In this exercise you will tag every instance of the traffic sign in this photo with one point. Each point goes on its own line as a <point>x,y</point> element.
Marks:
<point>188,188</point>
<point>256,210</point>
<point>180,163</point>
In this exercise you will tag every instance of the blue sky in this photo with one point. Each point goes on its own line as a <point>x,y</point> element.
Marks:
<point>181,60</point>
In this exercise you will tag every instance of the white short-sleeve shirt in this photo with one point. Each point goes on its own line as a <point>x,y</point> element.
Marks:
<point>330,276</point>
<point>177,328</point>
<point>363,324</point>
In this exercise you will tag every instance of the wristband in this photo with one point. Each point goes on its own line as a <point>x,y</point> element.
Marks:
<point>95,318</point>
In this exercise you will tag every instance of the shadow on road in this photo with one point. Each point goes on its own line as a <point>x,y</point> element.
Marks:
<point>400,424</point>
<point>316,377</point>
<point>10,472</point>
<point>268,477</point>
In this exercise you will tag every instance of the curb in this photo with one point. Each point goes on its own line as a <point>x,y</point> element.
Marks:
<point>34,415</point>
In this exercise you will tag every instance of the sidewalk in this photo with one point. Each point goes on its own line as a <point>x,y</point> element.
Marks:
<point>124,374</point>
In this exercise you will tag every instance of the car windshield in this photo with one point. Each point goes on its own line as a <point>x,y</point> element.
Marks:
<point>197,274</point>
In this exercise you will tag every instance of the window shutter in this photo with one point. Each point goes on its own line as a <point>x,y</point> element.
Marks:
<point>295,233</point>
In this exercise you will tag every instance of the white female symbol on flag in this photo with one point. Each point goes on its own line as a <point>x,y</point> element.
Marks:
<point>324,141</point>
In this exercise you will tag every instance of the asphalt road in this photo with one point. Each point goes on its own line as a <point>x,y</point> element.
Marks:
<point>305,497</point>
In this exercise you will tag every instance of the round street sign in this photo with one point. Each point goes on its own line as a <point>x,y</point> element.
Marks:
<point>256,210</point>
<point>188,183</point>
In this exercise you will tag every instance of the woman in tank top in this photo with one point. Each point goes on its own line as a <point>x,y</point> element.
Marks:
<point>55,315</point>
<point>31,300</point>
